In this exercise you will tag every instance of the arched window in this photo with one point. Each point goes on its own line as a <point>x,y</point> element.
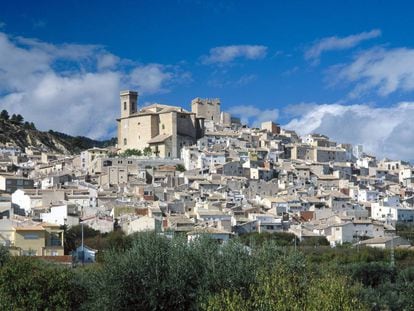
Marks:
<point>125,141</point>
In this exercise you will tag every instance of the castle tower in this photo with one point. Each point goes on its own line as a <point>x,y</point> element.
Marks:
<point>207,108</point>
<point>129,103</point>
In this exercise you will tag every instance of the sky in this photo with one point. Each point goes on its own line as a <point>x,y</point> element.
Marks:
<point>340,68</point>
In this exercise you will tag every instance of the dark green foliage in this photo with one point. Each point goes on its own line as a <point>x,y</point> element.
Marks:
<point>132,152</point>
<point>315,241</point>
<point>115,240</point>
<point>280,238</point>
<point>180,168</point>
<point>73,236</point>
<point>30,284</point>
<point>173,274</point>
<point>29,126</point>
<point>4,115</point>
<point>147,151</point>
<point>4,255</point>
<point>372,274</point>
<point>290,284</point>
<point>16,118</point>
<point>147,271</point>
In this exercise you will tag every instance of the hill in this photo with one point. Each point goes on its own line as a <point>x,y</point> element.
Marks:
<point>24,134</point>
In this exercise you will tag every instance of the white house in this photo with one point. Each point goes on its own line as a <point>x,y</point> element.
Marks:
<point>220,236</point>
<point>60,214</point>
<point>391,209</point>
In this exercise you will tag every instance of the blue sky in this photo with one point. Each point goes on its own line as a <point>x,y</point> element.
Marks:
<point>345,68</point>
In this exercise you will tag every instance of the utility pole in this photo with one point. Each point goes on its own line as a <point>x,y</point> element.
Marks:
<point>392,255</point>
<point>83,251</point>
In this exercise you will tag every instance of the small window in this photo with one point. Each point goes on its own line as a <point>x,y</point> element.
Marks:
<point>125,105</point>
<point>31,236</point>
<point>125,141</point>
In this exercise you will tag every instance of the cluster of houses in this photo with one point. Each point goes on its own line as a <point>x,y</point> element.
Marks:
<point>205,174</point>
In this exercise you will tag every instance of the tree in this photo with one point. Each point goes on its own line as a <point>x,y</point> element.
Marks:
<point>147,151</point>
<point>30,284</point>
<point>173,274</point>
<point>180,168</point>
<point>4,115</point>
<point>291,285</point>
<point>18,119</point>
<point>29,125</point>
<point>73,236</point>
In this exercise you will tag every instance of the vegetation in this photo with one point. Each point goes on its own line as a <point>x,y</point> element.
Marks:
<point>132,152</point>
<point>4,115</point>
<point>180,168</point>
<point>16,118</point>
<point>4,255</point>
<point>152,272</point>
<point>147,151</point>
<point>279,238</point>
<point>27,284</point>
<point>80,143</point>
<point>24,134</point>
<point>115,240</point>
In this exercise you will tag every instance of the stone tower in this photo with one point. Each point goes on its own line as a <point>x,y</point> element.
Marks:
<point>207,108</point>
<point>129,103</point>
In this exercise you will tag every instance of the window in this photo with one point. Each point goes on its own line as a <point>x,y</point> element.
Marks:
<point>125,106</point>
<point>125,141</point>
<point>31,236</point>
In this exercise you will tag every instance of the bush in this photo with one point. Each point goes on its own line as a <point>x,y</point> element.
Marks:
<point>27,283</point>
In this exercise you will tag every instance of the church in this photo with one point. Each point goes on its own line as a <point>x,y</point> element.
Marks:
<point>163,128</point>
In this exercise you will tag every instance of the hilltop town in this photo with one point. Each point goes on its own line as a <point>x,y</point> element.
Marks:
<point>202,172</point>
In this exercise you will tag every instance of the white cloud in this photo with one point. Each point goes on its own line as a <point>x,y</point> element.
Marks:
<point>150,78</point>
<point>384,131</point>
<point>379,70</point>
<point>107,61</point>
<point>337,43</point>
<point>227,54</point>
<point>70,87</point>
<point>252,115</point>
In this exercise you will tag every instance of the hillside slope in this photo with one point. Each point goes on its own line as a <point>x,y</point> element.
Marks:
<point>26,135</point>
